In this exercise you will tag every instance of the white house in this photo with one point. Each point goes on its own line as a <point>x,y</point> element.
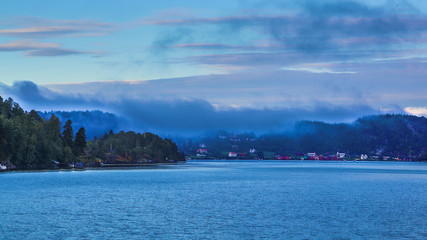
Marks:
<point>340,155</point>
<point>232,154</point>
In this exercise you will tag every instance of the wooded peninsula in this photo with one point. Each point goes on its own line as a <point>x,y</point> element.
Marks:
<point>28,141</point>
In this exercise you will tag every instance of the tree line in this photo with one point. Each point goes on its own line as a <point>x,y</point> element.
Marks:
<point>134,147</point>
<point>28,140</point>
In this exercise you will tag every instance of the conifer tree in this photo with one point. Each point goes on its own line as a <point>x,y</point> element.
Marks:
<point>80,142</point>
<point>53,134</point>
<point>68,134</point>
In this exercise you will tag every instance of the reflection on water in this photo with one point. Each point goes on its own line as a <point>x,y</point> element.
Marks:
<point>219,200</point>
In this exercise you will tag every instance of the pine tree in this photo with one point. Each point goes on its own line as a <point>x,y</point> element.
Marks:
<point>68,134</point>
<point>53,133</point>
<point>80,142</point>
<point>53,129</point>
<point>68,155</point>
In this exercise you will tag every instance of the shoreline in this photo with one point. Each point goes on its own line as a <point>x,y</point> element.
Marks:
<point>157,165</point>
<point>105,167</point>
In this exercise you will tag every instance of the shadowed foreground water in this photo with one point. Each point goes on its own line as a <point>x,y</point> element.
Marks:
<point>219,200</point>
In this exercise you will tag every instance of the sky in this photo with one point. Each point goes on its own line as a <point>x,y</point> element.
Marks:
<point>196,65</point>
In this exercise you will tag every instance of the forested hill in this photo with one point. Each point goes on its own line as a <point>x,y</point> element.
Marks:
<point>28,140</point>
<point>134,147</point>
<point>96,123</point>
<point>400,136</point>
<point>393,135</point>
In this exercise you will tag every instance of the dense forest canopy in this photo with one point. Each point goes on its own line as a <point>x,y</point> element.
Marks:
<point>134,147</point>
<point>28,140</point>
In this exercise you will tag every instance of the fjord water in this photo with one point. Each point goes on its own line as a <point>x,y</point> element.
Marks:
<point>219,200</point>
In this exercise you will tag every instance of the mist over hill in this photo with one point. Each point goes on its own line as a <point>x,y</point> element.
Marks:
<point>392,135</point>
<point>97,123</point>
<point>400,136</point>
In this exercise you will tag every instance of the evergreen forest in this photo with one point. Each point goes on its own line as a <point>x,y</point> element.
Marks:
<point>30,141</point>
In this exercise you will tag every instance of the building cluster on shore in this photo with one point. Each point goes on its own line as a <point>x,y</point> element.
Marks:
<point>203,153</point>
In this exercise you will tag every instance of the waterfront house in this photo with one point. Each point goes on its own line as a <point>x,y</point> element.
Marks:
<point>202,151</point>
<point>311,156</point>
<point>232,154</point>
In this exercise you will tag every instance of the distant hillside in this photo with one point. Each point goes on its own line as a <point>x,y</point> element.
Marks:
<point>97,123</point>
<point>400,136</point>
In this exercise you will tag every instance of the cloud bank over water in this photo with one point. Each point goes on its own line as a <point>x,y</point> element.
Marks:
<point>195,105</point>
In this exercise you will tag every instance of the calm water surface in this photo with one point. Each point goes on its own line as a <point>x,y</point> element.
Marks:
<point>219,200</point>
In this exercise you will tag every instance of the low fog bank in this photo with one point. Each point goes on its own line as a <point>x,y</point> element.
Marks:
<point>176,117</point>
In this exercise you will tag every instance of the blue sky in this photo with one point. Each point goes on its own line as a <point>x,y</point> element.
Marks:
<point>224,60</point>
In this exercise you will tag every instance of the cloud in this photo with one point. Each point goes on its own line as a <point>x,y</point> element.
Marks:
<point>417,111</point>
<point>30,95</point>
<point>49,28</point>
<point>217,46</point>
<point>33,48</point>
<point>192,116</point>
<point>39,31</point>
<point>22,45</point>
<point>169,39</point>
<point>314,31</point>
<point>316,70</point>
<point>28,29</point>
<point>178,115</point>
<point>378,85</point>
<point>52,52</point>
